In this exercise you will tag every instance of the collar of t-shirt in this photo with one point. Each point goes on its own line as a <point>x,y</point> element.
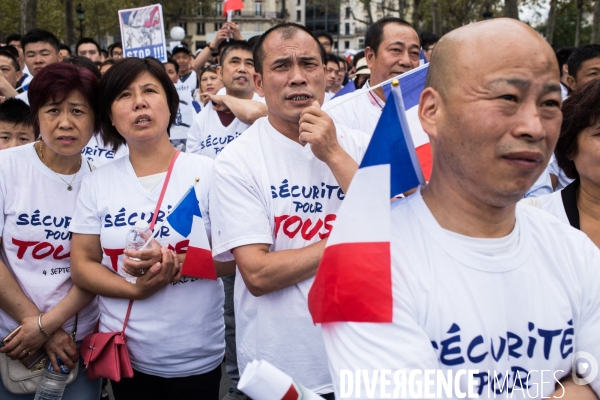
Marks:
<point>226,118</point>
<point>184,78</point>
<point>478,253</point>
<point>373,98</point>
<point>150,182</point>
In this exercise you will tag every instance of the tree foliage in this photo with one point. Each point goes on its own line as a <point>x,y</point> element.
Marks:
<point>566,22</point>
<point>100,18</point>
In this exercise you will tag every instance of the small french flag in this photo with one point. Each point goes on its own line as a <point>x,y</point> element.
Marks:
<point>186,219</point>
<point>354,279</point>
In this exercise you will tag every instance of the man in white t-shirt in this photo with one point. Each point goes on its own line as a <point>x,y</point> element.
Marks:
<point>225,118</point>
<point>480,282</point>
<point>392,47</point>
<point>186,111</point>
<point>41,48</point>
<point>276,191</point>
<point>183,56</point>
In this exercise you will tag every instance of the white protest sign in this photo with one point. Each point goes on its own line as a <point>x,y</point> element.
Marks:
<point>143,32</point>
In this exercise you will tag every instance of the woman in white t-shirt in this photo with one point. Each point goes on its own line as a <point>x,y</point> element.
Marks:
<point>39,184</point>
<point>578,153</point>
<point>175,332</point>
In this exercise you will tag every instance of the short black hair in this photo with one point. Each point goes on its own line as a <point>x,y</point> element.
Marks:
<point>252,41</point>
<point>113,46</point>
<point>427,39</point>
<point>13,37</point>
<point>16,111</point>
<point>9,54</point>
<point>333,58</point>
<point>84,62</point>
<point>104,52</point>
<point>234,45</point>
<point>562,55</point>
<point>288,30</point>
<point>67,48</point>
<point>326,34</point>
<point>84,41</point>
<point>40,35</point>
<point>117,79</point>
<point>174,63</point>
<point>374,35</point>
<point>580,55</point>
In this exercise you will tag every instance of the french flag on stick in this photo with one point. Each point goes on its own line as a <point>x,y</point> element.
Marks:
<point>412,84</point>
<point>186,219</point>
<point>262,381</point>
<point>231,5</point>
<point>354,280</point>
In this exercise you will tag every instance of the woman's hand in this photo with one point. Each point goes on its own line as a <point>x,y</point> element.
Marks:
<point>148,257</point>
<point>62,345</point>
<point>26,342</point>
<point>159,275</point>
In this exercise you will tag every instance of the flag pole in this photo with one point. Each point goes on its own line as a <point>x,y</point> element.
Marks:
<point>347,97</point>
<point>164,221</point>
<point>229,16</point>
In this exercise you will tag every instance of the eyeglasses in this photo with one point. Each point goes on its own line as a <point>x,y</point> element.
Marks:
<point>211,66</point>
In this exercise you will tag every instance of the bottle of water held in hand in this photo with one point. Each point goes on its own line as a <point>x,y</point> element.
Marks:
<point>136,238</point>
<point>53,384</point>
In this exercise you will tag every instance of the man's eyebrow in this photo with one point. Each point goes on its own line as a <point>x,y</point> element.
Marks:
<point>522,84</point>
<point>552,88</point>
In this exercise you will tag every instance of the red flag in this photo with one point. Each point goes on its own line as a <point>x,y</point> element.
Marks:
<point>232,5</point>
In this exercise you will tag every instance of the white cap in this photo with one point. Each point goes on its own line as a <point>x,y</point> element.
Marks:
<point>141,226</point>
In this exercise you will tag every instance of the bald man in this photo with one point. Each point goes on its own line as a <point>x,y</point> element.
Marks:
<point>481,283</point>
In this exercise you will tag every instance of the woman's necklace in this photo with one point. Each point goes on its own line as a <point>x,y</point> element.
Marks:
<point>69,185</point>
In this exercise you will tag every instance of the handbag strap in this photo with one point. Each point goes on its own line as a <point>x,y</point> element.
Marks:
<point>156,210</point>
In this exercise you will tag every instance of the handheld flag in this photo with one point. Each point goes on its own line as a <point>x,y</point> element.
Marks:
<point>261,380</point>
<point>232,5</point>
<point>186,219</point>
<point>354,279</point>
<point>412,84</point>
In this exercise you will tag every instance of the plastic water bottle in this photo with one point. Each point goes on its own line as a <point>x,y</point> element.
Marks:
<point>136,238</point>
<point>53,384</point>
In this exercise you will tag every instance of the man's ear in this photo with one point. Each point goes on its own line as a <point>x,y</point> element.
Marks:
<point>571,82</point>
<point>429,111</point>
<point>258,84</point>
<point>370,57</point>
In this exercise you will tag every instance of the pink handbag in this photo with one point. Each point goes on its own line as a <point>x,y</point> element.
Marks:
<point>105,354</point>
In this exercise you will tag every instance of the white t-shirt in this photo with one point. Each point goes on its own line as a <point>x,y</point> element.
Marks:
<point>178,331</point>
<point>99,154</point>
<point>553,203</point>
<point>554,169</point>
<point>35,213</point>
<point>191,81</point>
<point>270,189</point>
<point>481,304</point>
<point>361,113</point>
<point>208,136</point>
<point>186,111</point>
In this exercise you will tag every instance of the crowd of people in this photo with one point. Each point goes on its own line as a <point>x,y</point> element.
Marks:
<point>495,262</point>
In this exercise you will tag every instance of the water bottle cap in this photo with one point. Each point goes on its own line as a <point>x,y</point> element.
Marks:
<point>141,226</point>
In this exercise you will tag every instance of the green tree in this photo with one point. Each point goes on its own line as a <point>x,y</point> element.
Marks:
<point>565,28</point>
